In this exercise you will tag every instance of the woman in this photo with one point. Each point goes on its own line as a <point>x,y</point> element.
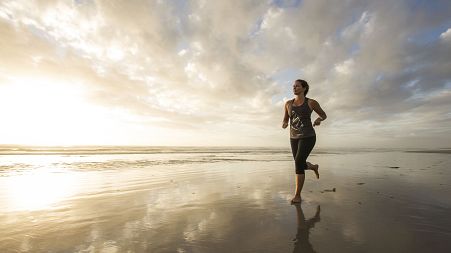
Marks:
<point>302,134</point>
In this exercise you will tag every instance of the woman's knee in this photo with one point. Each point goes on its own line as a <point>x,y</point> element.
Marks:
<point>300,167</point>
<point>300,172</point>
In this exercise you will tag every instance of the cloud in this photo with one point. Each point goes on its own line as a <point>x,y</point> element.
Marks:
<point>446,36</point>
<point>199,64</point>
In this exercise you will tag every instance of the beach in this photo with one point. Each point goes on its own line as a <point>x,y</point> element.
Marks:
<point>223,200</point>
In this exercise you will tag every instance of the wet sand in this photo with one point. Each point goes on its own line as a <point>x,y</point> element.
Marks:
<point>225,202</point>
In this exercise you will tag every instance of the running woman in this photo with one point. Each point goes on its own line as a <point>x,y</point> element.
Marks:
<point>302,134</point>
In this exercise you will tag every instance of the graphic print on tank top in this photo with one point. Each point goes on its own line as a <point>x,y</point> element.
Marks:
<point>296,122</point>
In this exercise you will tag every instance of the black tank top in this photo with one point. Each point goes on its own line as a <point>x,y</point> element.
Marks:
<point>300,120</point>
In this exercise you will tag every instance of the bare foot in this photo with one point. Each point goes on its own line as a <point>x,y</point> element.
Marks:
<point>315,168</point>
<point>296,200</point>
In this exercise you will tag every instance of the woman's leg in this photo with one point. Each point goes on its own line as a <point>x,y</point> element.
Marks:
<point>299,179</point>
<point>314,167</point>
<point>294,147</point>
<point>310,142</point>
<point>304,148</point>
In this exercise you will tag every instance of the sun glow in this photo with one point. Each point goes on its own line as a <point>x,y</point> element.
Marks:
<point>49,112</point>
<point>38,189</point>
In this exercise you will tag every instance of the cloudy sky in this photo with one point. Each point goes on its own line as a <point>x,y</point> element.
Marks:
<point>167,72</point>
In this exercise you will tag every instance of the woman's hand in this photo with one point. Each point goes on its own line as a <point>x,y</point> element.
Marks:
<point>284,125</point>
<point>317,122</point>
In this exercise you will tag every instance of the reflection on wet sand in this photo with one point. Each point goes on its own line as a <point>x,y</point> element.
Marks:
<point>186,209</point>
<point>107,204</point>
<point>302,242</point>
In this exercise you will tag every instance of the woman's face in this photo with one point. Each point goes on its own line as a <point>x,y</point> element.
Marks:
<point>297,88</point>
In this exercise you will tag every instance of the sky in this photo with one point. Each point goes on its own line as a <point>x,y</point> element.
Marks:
<point>217,73</point>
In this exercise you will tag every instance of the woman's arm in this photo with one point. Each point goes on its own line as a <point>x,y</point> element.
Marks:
<point>317,108</point>
<point>286,117</point>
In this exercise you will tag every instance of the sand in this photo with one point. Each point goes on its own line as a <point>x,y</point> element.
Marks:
<point>225,202</point>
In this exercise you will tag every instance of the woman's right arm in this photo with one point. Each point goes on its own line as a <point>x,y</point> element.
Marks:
<point>286,117</point>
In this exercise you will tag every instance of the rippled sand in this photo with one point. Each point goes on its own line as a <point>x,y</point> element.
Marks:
<point>224,201</point>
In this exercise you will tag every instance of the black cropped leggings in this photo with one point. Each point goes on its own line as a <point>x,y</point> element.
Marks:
<point>301,149</point>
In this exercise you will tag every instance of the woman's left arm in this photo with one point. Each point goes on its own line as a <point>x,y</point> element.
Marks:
<point>317,108</point>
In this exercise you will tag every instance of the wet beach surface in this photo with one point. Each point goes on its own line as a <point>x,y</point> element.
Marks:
<point>225,201</point>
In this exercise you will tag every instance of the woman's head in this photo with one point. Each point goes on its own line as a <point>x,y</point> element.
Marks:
<point>300,86</point>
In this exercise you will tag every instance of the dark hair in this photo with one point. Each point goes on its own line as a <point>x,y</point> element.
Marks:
<point>304,84</point>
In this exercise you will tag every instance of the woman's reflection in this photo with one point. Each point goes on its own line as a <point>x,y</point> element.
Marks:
<point>302,243</point>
